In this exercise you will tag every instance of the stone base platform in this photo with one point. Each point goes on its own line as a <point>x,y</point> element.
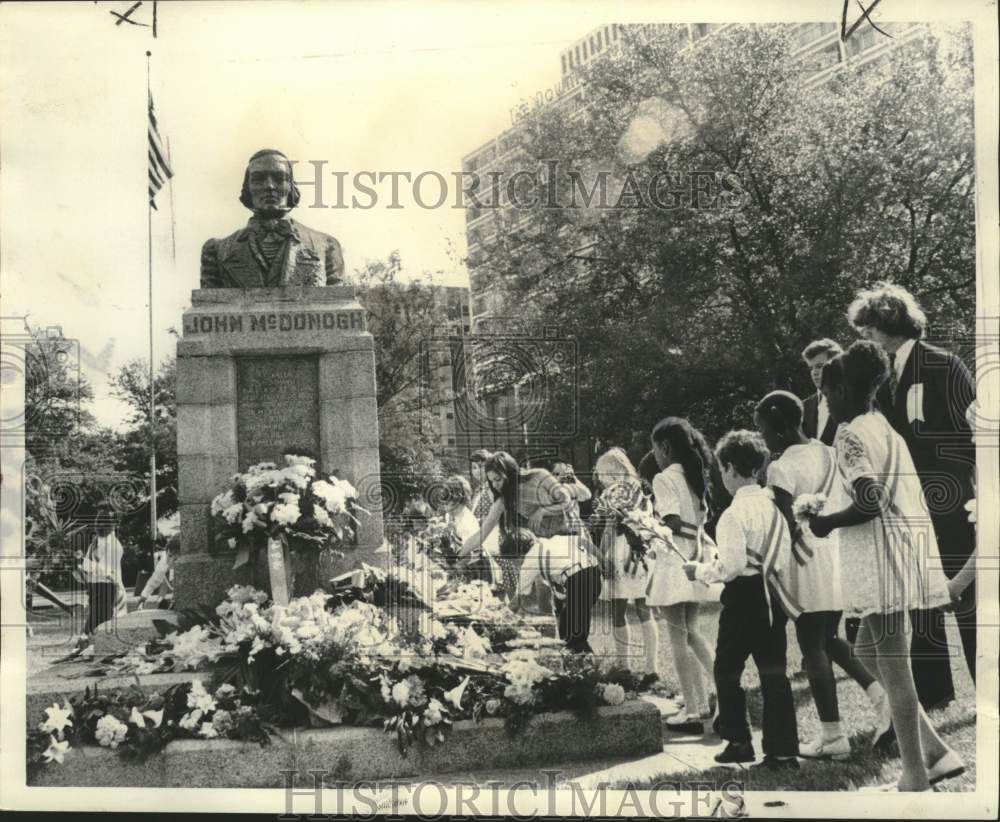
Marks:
<point>352,754</point>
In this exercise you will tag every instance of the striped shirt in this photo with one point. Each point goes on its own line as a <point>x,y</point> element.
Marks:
<point>553,560</point>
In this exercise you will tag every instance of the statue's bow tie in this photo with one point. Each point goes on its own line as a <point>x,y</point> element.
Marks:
<point>262,228</point>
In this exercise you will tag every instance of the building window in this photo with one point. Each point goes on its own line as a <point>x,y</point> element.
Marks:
<point>823,58</point>
<point>862,41</point>
<point>564,69</point>
<point>607,37</point>
<point>577,50</point>
<point>449,416</point>
<point>507,143</point>
<point>451,440</point>
<point>807,32</point>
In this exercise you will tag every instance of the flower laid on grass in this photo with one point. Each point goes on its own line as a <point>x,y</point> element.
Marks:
<point>56,750</point>
<point>137,724</point>
<point>57,719</point>
<point>110,731</point>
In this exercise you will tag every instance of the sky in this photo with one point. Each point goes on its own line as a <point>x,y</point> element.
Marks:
<point>362,87</point>
<point>372,86</point>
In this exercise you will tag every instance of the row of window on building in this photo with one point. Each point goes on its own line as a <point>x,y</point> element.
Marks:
<point>590,46</point>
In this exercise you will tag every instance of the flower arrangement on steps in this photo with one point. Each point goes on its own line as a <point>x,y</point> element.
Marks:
<point>284,513</point>
<point>315,662</point>
<point>137,724</point>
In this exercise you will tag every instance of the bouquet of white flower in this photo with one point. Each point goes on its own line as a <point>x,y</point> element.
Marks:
<point>438,540</point>
<point>284,509</point>
<point>807,505</point>
<point>626,501</point>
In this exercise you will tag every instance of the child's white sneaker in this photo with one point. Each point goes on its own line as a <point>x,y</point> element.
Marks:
<point>819,748</point>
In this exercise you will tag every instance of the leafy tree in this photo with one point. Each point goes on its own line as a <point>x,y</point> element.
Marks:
<point>403,317</point>
<point>131,385</point>
<point>68,457</point>
<point>55,393</point>
<point>808,193</point>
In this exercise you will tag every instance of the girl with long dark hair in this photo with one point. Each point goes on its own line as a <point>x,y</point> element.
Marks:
<point>680,495</point>
<point>563,556</point>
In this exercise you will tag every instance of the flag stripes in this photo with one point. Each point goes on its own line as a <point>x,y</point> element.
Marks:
<point>159,168</point>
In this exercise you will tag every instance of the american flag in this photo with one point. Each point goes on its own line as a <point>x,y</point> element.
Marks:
<point>159,168</point>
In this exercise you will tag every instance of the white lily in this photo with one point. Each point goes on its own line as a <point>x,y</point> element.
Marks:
<point>155,716</point>
<point>454,696</point>
<point>57,719</point>
<point>56,751</point>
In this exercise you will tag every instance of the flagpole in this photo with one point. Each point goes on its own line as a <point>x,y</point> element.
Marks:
<point>152,390</point>
<point>173,221</point>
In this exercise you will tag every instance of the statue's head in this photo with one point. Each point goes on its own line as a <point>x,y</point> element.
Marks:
<point>268,188</point>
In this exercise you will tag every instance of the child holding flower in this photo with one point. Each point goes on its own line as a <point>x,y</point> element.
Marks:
<point>680,494</point>
<point>888,552</point>
<point>626,577</point>
<point>808,467</point>
<point>463,523</point>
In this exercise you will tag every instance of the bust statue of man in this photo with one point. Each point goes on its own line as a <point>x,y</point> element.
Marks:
<point>273,249</point>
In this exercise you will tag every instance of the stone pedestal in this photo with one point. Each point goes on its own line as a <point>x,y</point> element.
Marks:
<point>261,372</point>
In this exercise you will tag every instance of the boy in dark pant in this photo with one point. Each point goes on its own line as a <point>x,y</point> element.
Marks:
<point>570,570</point>
<point>753,546</point>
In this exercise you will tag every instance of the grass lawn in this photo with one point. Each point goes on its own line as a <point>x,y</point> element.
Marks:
<point>956,723</point>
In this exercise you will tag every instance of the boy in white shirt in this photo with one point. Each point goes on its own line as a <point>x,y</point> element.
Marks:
<point>571,571</point>
<point>753,544</point>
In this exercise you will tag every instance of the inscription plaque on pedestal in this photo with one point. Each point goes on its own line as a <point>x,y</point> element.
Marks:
<point>277,407</point>
<point>261,372</point>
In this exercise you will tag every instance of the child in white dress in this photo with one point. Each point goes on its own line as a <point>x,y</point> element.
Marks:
<point>812,584</point>
<point>679,491</point>
<point>625,581</point>
<point>888,552</point>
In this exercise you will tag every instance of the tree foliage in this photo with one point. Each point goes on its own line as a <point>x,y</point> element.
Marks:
<point>808,192</point>
<point>404,318</point>
<point>73,465</point>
